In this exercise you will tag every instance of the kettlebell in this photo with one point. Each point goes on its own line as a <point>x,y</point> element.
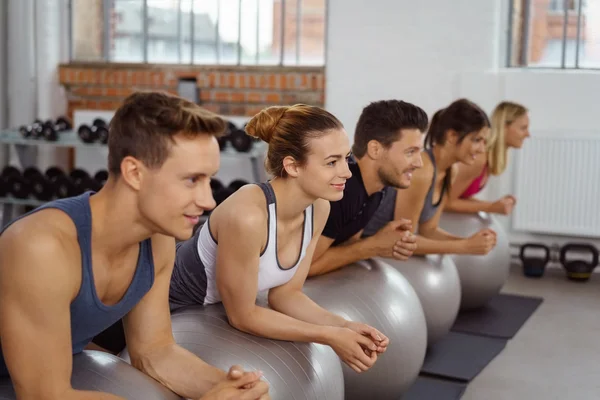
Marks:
<point>579,270</point>
<point>534,267</point>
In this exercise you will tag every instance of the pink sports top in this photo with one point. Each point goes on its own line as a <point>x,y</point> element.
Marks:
<point>476,186</point>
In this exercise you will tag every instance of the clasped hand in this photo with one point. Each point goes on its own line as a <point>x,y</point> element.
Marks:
<point>358,345</point>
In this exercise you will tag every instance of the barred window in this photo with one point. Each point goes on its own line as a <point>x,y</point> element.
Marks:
<point>554,34</point>
<point>235,32</point>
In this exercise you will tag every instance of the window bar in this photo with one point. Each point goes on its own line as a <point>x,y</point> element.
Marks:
<point>326,22</point>
<point>192,38</point>
<point>564,36</point>
<point>578,38</point>
<point>298,29</point>
<point>145,29</point>
<point>257,60</point>
<point>106,11</point>
<point>239,41</point>
<point>179,32</point>
<point>70,27</point>
<point>282,33</point>
<point>525,38</point>
<point>509,49</point>
<point>217,35</point>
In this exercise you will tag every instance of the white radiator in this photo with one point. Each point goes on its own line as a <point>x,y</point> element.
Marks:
<point>558,185</point>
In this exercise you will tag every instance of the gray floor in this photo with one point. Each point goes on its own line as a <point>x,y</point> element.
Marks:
<point>556,354</point>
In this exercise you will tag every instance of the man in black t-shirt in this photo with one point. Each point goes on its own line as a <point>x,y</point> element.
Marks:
<point>388,141</point>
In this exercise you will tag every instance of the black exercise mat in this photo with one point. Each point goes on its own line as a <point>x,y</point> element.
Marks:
<point>427,388</point>
<point>460,356</point>
<point>502,317</point>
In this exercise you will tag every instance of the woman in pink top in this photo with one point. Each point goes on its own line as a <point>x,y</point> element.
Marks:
<point>510,127</point>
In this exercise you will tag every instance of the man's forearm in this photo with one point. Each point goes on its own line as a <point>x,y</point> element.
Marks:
<point>470,205</point>
<point>298,305</point>
<point>73,394</point>
<point>337,257</point>
<point>429,245</point>
<point>180,370</point>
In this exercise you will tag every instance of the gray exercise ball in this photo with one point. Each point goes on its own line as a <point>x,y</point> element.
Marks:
<point>481,276</point>
<point>103,372</point>
<point>436,281</point>
<point>293,370</point>
<point>376,294</point>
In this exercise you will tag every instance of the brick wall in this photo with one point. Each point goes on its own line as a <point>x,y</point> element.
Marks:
<point>227,90</point>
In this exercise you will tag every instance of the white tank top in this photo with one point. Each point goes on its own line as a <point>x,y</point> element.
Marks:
<point>270,272</point>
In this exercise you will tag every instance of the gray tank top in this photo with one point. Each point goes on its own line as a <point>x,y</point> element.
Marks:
<point>89,315</point>
<point>385,211</point>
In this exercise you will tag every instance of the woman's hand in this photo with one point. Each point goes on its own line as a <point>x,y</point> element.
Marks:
<point>380,340</point>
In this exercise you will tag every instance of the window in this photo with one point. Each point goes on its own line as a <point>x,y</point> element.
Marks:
<point>234,32</point>
<point>554,34</point>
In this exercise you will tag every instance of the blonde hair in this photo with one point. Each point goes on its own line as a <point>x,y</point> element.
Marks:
<point>504,114</point>
<point>287,130</point>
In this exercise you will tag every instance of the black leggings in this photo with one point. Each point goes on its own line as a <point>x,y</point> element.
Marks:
<point>112,338</point>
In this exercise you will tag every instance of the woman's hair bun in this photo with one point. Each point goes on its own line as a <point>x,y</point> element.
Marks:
<point>264,124</point>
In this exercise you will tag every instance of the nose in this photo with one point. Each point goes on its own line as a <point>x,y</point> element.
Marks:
<point>418,161</point>
<point>204,198</point>
<point>346,173</point>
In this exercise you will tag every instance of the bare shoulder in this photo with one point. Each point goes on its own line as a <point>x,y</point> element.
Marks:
<point>163,252</point>
<point>245,211</point>
<point>42,245</point>
<point>472,171</point>
<point>423,176</point>
<point>321,213</point>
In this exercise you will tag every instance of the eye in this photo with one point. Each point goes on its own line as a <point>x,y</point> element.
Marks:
<point>331,163</point>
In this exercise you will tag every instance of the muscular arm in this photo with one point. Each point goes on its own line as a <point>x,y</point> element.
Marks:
<point>237,280</point>
<point>150,340</point>
<point>39,277</point>
<point>289,298</point>
<point>327,258</point>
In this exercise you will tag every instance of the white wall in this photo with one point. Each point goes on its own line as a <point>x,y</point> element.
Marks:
<point>434,51</point>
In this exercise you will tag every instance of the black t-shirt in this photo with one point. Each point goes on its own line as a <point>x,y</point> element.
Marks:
<point>351,214</point>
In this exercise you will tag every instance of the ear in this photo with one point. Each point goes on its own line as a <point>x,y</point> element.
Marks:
<point>374,149</point>
<point>132,171</point>
<point>452,136</point>
<point>291,166</point>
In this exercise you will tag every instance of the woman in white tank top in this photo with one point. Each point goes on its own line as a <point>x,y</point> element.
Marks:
<point>263,238</point>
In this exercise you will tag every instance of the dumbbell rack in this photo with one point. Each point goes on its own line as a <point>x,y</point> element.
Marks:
<point>27,153</point>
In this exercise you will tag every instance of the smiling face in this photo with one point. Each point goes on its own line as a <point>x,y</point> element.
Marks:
<point>517,131</point>
<point>173,196</point>
<point>472,146</point>
<point>400,160</point>
<point>325,171</point>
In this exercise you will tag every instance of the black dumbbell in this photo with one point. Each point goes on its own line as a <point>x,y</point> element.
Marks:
<point>83,181</point>
<point>222,194</point>
<point>534,266</point>
<point>215,184</point>
<point>224,138</point>
<point>39,185</point>
<point>579,270</point>
<point>237,183</point>
<point>33,131</point>
<point>17,184</point>
<point>7,173</point>
<point>101,177</point>
<point>51,129</point>
<point>62,185</point>
<point>241,141</point>
<point>98,132</point>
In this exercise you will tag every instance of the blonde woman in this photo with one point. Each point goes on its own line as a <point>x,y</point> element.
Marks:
<point>510,127</point>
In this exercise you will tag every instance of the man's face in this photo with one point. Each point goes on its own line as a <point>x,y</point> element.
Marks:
<point>174,196</point>
<point>401,159</point>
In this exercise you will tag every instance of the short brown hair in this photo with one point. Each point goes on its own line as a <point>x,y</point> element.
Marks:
<point>287,130</point>
<point>145,124</point>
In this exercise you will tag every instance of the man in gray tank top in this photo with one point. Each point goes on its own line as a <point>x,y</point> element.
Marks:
<point>75,266</point>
